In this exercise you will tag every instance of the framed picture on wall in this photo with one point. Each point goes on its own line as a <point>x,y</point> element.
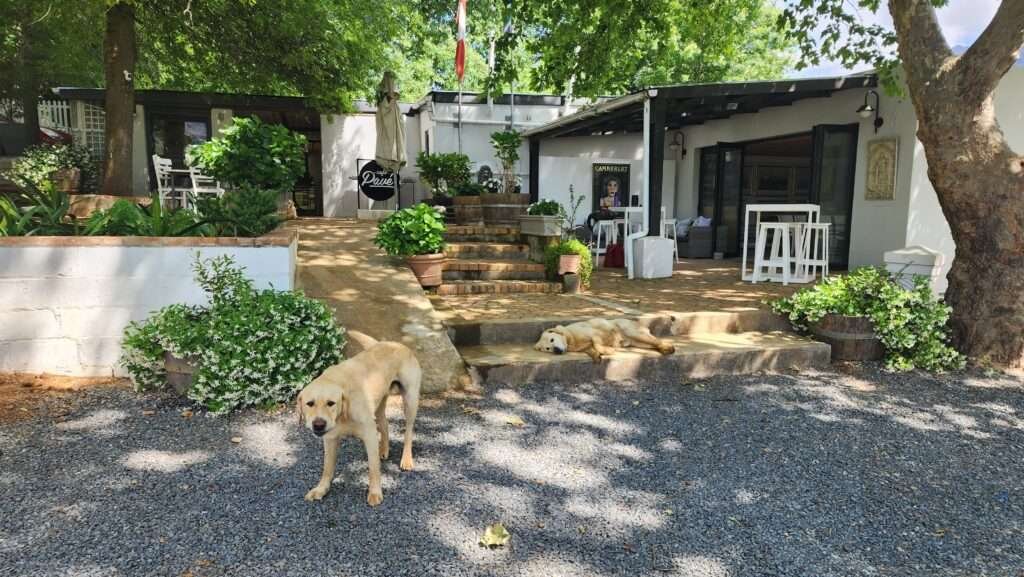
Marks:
<point>883,154</point>
<point>611,185</point>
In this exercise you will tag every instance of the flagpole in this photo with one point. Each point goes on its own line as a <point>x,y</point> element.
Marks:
<point>460,116</point>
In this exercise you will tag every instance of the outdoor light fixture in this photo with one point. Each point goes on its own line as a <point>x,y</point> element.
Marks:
<point>866,110</point>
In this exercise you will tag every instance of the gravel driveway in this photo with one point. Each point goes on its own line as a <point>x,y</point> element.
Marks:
<point>858,473</point>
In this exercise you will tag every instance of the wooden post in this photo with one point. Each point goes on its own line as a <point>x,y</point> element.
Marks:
<point>534,170</point>
<point>656,164</point>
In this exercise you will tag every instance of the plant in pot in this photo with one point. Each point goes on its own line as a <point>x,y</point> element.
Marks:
<point>542,218</point>
<point>570,263</point>
<point>866,314</point>
<point>506,148</point>
<point>569,256</point>
<point>443,173</point>
<point>416,233</point>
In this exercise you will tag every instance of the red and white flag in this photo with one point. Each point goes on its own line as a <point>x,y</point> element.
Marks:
<point>460,37</point>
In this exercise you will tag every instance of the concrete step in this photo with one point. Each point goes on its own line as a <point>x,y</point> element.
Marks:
<point>477,287</point>
<point>695,357</point>
<point>487,250</point>
<point>473,233</point>
<point>528,330</point>
<point>492,269</point>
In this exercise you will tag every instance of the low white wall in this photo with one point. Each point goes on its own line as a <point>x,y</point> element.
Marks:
<point>65,301</point>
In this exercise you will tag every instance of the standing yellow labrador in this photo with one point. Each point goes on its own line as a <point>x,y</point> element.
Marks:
<point>349,399</point>
<point>600,337</point>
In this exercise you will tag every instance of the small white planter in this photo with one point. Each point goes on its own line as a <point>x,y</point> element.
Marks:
<point>540,225</point>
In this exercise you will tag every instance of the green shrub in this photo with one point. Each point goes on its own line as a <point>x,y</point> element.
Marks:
<point>545,208</point>
<point>255,154</point>
<point>37,210</point>
<point>244,211</point>
<point>254,347</point>
<point>443,171</point>
<point>469,188</point>
<point>125,218</point>
<point>571,246</point>
<point>411,231</point>
<point>37,164</point>
<point>912,324</point>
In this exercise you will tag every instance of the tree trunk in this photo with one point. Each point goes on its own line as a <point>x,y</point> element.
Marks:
<point>119,65</point>
<point>977,177</point>
<point>30,112</point>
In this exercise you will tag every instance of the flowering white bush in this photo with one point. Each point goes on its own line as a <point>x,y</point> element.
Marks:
<point>253,347</point>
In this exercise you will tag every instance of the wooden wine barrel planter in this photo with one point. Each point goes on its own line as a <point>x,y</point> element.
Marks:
<point>503,209</point>
<point>468,210</point>
<point>852,338</point>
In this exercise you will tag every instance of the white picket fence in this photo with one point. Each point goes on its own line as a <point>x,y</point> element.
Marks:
<point>53,114</point>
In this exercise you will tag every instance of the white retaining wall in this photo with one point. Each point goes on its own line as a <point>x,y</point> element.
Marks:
<point>65,301</point>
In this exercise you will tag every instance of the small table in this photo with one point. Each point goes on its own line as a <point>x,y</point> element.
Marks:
<point>813,212</point>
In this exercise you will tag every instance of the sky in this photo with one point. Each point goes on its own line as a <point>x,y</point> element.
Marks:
<point>961,20</point>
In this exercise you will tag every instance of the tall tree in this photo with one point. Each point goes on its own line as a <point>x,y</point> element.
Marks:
<point>328,50</point>
<point>977,176</point>
<point>43,43</point>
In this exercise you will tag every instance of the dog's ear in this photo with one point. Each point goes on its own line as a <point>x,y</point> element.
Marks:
<point>298,407</point>
<point>343,408</point>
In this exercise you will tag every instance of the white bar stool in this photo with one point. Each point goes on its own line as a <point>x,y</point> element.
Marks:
<point>779,256</point>
<point>607,229</point>
<point>668,230</point>
<point>812,254</point>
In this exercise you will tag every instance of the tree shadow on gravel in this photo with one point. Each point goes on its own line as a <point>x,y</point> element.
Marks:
<point>832,473</point>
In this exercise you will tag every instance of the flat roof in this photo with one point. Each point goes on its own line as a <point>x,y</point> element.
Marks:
<point>690,104</point>
<point>186,99</point>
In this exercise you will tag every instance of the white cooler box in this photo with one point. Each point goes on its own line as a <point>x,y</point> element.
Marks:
<point>653,257</point>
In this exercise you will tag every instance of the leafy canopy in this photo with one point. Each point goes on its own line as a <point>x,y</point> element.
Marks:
<point>253,153</point>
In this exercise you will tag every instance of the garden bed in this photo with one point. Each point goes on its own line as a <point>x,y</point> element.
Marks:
<point>65,300</point>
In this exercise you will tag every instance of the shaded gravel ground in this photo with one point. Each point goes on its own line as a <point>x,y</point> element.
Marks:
<point>858,473</point>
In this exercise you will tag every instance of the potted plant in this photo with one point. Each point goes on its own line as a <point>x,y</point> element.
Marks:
<point>866,315</point>
<point>504,203</point>
<point>569,257</point>
<point>542,218</point>
<point>467,203</point>
<point>416,233</point>
<point>570,263</point>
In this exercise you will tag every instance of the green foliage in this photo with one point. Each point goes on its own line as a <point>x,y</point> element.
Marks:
<point>254,347</point>
<point>506,148</point>
<point>574,206</point>
<point>571,246</point>
<point>443,171</point>
<point>912,324</point>
<point>253,153</point>
<point>37,210</point>
<point>125,218</point>
<point>243,211</point>
<point>545,208</point>
<point>469,188</point>
<point>411,231</point>
<point>38,163</point>
<point>611,47</point>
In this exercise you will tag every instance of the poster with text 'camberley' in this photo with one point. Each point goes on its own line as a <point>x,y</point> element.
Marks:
<point>611,186</point>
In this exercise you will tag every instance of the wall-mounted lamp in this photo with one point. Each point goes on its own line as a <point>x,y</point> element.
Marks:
<point>677,143</point>
<point>866,110</point>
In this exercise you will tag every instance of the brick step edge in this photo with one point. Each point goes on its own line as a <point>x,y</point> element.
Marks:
<point>457,288</point>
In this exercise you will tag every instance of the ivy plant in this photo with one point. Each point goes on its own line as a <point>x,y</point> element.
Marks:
<point>252,347</point>
<point>912,324</point>
<point>416,230</point>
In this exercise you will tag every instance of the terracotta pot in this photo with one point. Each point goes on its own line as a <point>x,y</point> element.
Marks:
<point>427,268</point>
<point>852,338</point>
<point>569,264</point>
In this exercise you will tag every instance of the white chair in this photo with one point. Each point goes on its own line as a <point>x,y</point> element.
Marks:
<point>778,259</point>
<point>203,184</point>
<point>608,230</point>
<point>162,167</point>
<point>812,253</point>
<point>668,225</point>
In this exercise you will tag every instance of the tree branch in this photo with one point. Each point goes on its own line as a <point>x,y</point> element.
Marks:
<point>922,47</point>
<point>996,50</point>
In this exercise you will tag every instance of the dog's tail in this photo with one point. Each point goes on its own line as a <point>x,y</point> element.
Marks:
<point>364,340</point>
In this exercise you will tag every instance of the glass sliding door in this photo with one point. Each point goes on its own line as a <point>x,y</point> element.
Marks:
<point>708,178</point>
<point>833,167</point>
<point>730,198</point>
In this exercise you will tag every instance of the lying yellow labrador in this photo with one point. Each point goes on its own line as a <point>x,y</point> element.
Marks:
<point>600,337</point>
<point>349,399</point>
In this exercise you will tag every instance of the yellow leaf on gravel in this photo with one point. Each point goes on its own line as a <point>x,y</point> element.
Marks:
<point>515,421</point>
<point>236,440</point>
<point>495,536</point>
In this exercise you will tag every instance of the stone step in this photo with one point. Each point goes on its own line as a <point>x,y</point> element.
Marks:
<point>487,250</point>
<point>471,233</point>
<point>695,357</point>
<point>477,287</point>
<point>527,330</point>
<point>489,269</point>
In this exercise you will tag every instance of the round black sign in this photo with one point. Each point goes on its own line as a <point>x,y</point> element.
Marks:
<point>377,183</point>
